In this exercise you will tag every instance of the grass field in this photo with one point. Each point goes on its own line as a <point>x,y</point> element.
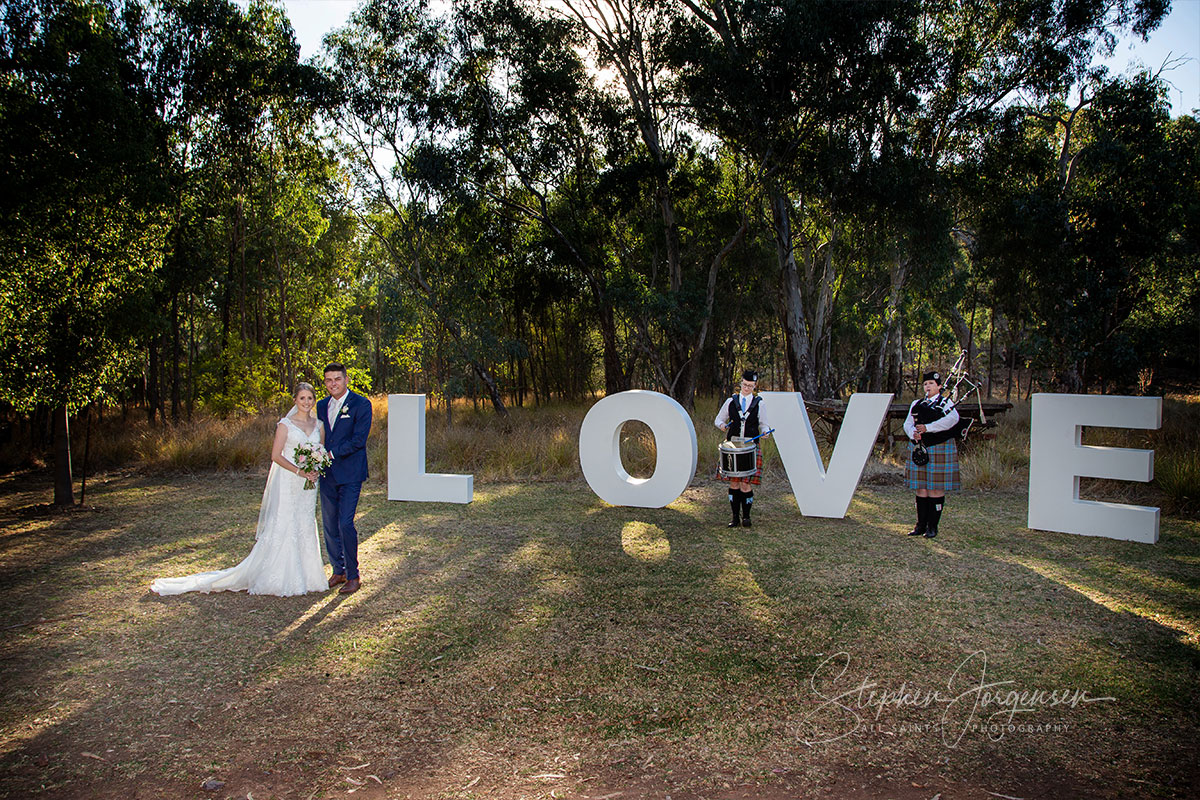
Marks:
<point>538,643</point>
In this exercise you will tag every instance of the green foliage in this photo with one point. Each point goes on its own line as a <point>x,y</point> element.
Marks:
<point>1087,231</point>
<point>520,202</point>
<point>81,230</point>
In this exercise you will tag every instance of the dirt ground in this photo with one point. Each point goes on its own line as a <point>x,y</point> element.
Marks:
<point>511,650</point>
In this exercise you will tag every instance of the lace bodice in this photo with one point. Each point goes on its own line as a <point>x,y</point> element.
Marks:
<point>296,437</point>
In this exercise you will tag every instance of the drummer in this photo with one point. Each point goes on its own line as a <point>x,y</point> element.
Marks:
<point>742,416</point>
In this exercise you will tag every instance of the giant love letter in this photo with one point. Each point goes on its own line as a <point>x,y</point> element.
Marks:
<point>406,476</point>
<point>600,449</point>
<point>1058,458</point>
<point>822,493</point>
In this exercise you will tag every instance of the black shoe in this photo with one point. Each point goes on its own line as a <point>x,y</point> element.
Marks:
<point>746,522</point>
<point>917,532</point>
<point>735,524</point>
<point>932,532</point>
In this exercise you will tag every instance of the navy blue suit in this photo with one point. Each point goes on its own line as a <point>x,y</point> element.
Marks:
<point>342,484</point>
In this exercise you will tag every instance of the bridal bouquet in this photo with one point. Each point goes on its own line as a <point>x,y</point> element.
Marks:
<point>312,458</point>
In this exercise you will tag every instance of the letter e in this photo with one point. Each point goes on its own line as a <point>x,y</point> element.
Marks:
<point>1057,459</point>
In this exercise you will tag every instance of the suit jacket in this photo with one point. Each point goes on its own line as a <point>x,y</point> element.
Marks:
<point>348,439</point>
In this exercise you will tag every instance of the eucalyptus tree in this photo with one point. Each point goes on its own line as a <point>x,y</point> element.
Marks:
<point>81,219</point>
<point>248,175</point>
<point>812,93</point>
<point>546,148</point>
<point>628,38</point>
<point>1089,226</point>
<point>987,59</point>
<point>855,112</point>
<point>399,70</point>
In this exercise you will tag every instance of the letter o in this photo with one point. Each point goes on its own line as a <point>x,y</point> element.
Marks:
<point>600,449</point>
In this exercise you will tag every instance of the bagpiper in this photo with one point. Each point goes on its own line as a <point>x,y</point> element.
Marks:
<point>932,466</point>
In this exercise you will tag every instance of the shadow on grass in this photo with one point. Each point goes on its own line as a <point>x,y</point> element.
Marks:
<point>525,635</point>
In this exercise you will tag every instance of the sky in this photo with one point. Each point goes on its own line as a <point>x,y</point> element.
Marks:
<point>1177,38</point>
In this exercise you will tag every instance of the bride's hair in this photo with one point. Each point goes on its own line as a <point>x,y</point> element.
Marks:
<point>301,386</point>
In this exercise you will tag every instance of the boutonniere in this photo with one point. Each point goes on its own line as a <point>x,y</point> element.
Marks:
<point>345,412</point>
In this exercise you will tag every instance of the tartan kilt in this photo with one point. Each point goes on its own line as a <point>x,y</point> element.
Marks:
<point>940,474</point>
<point>755,479</point>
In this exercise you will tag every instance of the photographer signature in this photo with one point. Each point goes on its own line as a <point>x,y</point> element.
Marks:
<point>968,700</point>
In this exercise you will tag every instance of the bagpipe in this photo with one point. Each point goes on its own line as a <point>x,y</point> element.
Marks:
<point>958,386</point>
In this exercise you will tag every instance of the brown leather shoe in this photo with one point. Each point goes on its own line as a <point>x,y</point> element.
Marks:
<point>335,579</point>
<point>351,586</point>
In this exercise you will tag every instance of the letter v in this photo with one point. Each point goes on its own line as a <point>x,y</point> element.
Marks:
<point>820,493</point>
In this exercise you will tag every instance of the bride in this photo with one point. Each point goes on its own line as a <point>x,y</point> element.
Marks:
<point>286,558</point>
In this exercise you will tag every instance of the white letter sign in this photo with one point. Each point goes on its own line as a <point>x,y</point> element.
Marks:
<point>1057,459</point>
<point>820,493</point>
<point>406,457</point>
<point>600,449</point>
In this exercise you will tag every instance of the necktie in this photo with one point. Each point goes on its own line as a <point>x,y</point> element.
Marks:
<point>334,405</point>
<point>743,402</point>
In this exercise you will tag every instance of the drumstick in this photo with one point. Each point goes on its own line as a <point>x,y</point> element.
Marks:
<point>764,433</point>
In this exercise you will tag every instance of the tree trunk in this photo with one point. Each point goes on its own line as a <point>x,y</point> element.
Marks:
<point>87,446</point>
<point>794,320</point>
<point>289,374</point>
<point>152,400</point>
<point>64,491</point>
<point>991,349</point>
<point>191,380</point>
<point>962,333</point>
<point>685,380</point>
<point>895,383</point>
<point>615,378</point>
<point>891,326</point>
<point>175,395</point>
<point>822,328</point>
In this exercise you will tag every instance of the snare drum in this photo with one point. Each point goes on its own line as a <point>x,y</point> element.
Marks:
<point>738,458</point>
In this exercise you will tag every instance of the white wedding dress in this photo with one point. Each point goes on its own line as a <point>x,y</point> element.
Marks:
<point>286,558</point>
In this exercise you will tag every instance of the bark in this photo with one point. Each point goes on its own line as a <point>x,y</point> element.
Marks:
<point>823,311</point>
<point>616,379</point>
<point>991,350</point>
<point>962,333</point>
<point>882,362</point>
<point>289,374</point>
<point>227,289</point>
<point>87,446</point>
<point>686,393</point>
<point>794,319</point>
<point>152,398</point>
<point>175,394</point>
<point>895,383</point>
<point>64,492</point>
<point>191,379</point>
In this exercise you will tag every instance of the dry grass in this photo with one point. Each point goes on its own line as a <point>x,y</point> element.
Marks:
<point>539,641</point>
<point>541,444</point>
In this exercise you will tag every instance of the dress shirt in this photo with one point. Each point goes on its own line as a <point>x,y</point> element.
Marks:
<point>335,405</point>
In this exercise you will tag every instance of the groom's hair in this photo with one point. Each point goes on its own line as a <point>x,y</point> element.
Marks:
<point>335,367</point>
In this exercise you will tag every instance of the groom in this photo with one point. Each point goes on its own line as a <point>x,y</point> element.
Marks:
<point>347,420</point>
